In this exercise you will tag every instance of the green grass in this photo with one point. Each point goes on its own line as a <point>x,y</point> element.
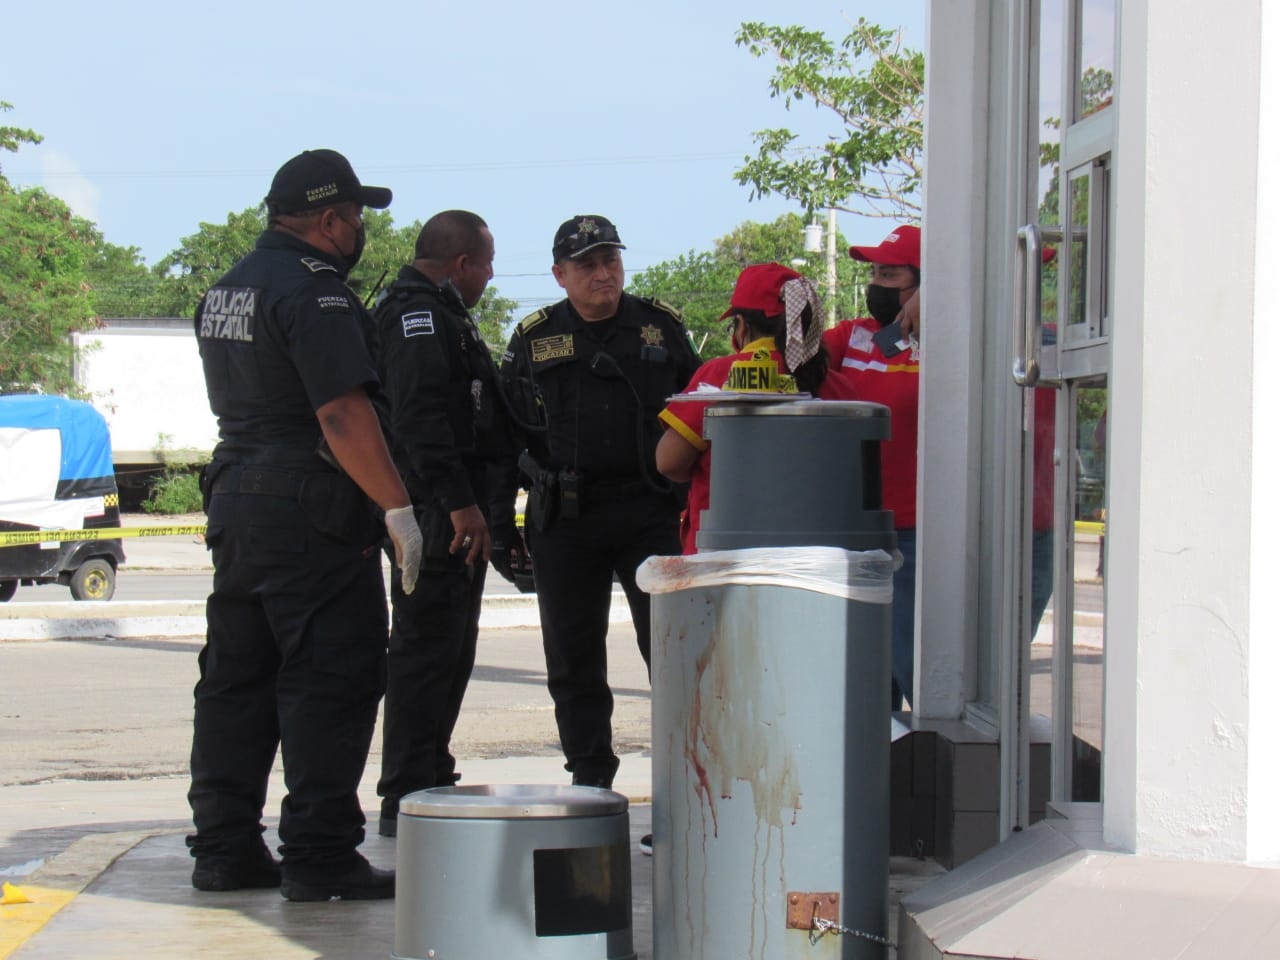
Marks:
<point>177,490</point>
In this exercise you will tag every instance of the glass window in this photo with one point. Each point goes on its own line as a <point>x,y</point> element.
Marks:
<point>1077,278</point>
<point>1095,56</point>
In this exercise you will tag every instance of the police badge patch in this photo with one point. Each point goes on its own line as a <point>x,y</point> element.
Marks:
<point>551,348</point>
<point>651,335</point>
<point>417,324</point>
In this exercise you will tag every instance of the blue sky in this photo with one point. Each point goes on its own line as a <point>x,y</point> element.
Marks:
<point>160,116</point>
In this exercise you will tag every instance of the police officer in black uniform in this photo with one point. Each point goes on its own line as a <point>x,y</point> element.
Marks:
<point>297,627</point>
<point>451,438</point>
<point>595,369</point>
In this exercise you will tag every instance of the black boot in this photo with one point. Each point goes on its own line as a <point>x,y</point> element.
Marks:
<point>254,871</point>
<point>390,813</point>
<point>355,879</point>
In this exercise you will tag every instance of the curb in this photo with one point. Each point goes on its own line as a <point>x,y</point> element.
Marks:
<point>83,620</point>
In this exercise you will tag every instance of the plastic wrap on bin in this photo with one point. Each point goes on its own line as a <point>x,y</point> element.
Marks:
<point>770,751</point>
<point>862,575</point>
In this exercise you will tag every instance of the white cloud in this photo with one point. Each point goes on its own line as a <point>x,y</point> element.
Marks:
<point>62,178</point>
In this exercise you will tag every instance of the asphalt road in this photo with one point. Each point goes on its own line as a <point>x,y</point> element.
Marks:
<point>121,709</point>
<point>195,585</point>
<point>131,585</point>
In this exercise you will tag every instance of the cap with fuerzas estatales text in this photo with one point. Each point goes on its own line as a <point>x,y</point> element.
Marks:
<point>320,178</point>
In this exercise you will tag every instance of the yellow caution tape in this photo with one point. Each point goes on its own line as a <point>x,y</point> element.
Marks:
<point>119,533</point>
<point>21,537</point>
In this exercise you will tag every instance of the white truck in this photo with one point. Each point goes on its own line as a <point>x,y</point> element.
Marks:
<point>144,376</point>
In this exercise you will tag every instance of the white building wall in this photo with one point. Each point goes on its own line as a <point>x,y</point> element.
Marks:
<point>1263,843</point>
<point>1192,658</point>
<point>950,392</point>
<point>1181,457</point>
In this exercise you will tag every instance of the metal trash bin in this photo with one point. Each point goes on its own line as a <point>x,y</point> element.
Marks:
<point>771,693</point>
<point>803,473</point>
<point>770,752</point>
<point>531,871</point>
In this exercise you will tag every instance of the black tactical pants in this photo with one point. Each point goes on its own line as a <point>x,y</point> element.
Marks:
<point>573,567</point>
<point>295,656</point>
<point>429,662</point>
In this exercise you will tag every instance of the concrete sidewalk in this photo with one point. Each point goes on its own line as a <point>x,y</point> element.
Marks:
<point>121,888</point>
<point>105,867</point>
<point>104,864</point>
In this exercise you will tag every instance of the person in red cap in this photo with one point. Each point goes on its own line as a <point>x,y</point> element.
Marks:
<point>774,313</point>
<point>883,363</point>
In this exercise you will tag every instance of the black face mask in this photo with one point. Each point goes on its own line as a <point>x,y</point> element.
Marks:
<point>352,258</point>
<point>883,303</point>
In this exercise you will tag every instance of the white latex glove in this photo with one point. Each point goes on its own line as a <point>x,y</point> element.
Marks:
<point>402,527</point>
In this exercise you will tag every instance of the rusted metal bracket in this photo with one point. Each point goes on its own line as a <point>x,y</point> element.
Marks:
<point>804,908</point>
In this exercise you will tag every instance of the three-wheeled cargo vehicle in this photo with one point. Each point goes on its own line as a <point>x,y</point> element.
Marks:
<point>56,474</point>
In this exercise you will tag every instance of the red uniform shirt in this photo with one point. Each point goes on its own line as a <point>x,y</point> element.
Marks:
<point>895,382</point>
<point>686,418</point>
<point>1042,484</point>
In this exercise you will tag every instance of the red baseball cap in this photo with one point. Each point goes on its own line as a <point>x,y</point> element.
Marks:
<point>899,249</point>
<point>759,287</point>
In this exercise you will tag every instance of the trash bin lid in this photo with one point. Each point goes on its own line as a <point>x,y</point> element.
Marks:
<point>512,801</point>
<point>801,408</point>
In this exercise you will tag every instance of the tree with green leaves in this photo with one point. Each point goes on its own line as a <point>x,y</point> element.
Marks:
<point>206,255</point>
<point>203,257</point>
<point>13,137</point>
<point>215,248</point>
<point>120,283</point>
<point>874,88</point>
<point>387,249</point>
<point>43,291</point>
<point>700,283</point>
<point>493,315</point>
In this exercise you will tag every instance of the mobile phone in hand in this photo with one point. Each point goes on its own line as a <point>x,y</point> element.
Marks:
<point>890,339</point>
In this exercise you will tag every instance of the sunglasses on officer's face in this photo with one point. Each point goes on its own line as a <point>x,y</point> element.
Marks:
<point>730,324</point>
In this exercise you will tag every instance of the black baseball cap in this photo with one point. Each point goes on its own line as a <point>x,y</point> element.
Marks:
<point>321,178</point>
<point>582,233</point>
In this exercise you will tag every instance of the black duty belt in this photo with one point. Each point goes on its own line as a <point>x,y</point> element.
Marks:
<point>607,490</point>
<point>263,481</point>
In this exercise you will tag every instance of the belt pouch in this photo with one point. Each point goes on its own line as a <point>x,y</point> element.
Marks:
<point>334,505</point>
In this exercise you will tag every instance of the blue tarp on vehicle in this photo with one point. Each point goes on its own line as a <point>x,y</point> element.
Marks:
<point>86,441</point>
<point>56,473</point>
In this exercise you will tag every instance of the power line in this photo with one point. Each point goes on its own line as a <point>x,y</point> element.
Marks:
<point>453,167</point>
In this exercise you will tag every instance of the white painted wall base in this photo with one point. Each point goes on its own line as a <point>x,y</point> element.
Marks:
<point>1054,892</point>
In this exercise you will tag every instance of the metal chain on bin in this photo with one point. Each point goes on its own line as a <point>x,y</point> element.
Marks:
<point>822,927</point>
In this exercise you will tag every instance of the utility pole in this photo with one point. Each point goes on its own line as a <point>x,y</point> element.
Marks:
<point>813,244</point>
<point>831,267</point>
<point>831,253</point>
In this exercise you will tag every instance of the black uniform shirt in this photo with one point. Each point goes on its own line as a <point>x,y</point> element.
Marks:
<point>280,335</point>
<point>446,420</point>
<point>590,401</point>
